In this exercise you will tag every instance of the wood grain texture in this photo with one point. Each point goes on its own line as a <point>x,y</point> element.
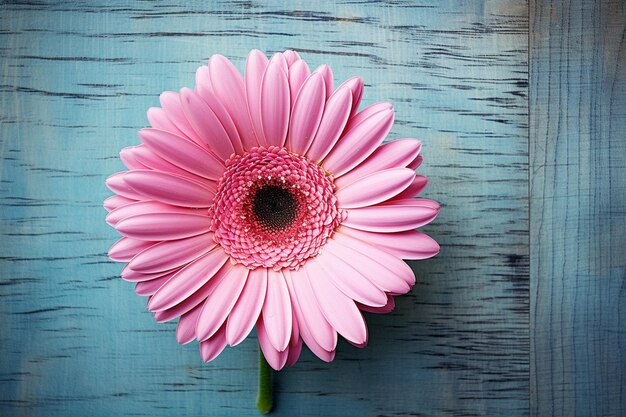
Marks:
<point>578,206</point>
<point>77,78</point>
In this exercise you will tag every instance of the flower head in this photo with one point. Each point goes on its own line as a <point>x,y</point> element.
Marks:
<point>274,209</point>
<point>269,200</point>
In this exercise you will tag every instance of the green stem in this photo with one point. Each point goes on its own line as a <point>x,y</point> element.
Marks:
<point>264,401</point>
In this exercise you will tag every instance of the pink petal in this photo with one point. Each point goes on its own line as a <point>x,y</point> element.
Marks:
<point>246,312</point>
<point>358,143</point>
<point>129,160</point>
<point>291,57</point>
<point>172,253</point>
<point>226,121</point>
<point>188,280</point>
<point>206,124</point>
<point>338,309</point>
<point>205,91</point>
<point>221,301</point>
<point>321,331</point>
<point>417,186</point>
<point>336,113</point>
<point>375,188</point>
<point>348,279</point>
<point>301,324</point>
<point>149,287</point>
<point>170,101</point>
<point>410,244</point>
<point>393,216</point>
<point>134,276</point>
<point>298,73</point>
<point>255,68</point>
<point>394,154</point>
<point>164,226</point>
<point>387,308</point>
<point>211,348</point>
<point>367,113</point>
<point>116,201</point>
<point>203,82</point>
<point>124,249</point>
<point>153,161</point>
<point>182,153</point>
<point>178,310</point>
<point>277,313</point>
<point>307,113</point>
<point>170,188</point>
<point>295,342</point>
<point>186,328</point>
<point>279,58</point>
<point>195,299</point>
<point>326,73</point>
<point>412,202</point>
<point>228,87</point>
<point>414,164</point>
<point>355,84</point>
<point>275,358</point>
<point>397,266</point>
<point>118,185</point>
<point>373,269</point>
<point>145,207</point>
<point>295,348</point>
<point>275,103</point>
<point>158,119</point>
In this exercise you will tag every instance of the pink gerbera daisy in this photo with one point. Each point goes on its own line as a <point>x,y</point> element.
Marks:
<point>269,200</point>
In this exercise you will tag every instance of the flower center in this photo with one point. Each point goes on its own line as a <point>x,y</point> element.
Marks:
<point>274,209</point>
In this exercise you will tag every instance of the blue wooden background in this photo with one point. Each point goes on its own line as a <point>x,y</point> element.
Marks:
<point>521,313</point>
<point>578,208</point>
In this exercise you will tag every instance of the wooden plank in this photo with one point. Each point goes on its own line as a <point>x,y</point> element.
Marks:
<point>578,201</point>
<point>77,78</point>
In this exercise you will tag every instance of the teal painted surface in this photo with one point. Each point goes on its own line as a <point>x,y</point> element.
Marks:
<point>76,81</point>
<point>578,208</point>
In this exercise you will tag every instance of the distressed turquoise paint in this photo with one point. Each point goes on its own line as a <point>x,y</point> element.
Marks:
<point>578,207</point>
<point>77,78</point>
